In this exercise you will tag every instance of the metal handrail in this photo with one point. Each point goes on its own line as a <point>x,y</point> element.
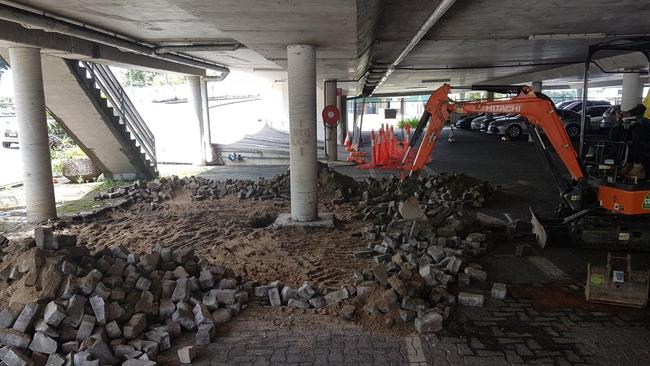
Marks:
<point>122,105</point>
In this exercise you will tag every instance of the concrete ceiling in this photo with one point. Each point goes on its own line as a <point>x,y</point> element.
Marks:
<point>483,36</point>
<point>476,41</point>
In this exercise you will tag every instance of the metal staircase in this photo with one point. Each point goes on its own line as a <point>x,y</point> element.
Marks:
<point>127,126</point>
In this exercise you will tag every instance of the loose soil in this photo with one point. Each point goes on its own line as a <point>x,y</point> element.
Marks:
<point>235,233</point>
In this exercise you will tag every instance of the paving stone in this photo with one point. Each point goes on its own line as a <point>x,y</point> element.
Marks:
<point>181,291</point>
<point>27,317</point>
<point>184,316</point>
<point>187,354</point>
<point>113,330</point>
<point>201,314</point>
<point>499,290</point>
<point>7,317</point>
<point>135,326</point>
<point>44,237</point>
<point>145,303</point>
<point>274,297</point>
<point>381,274</point>
<point>71,346</point>
<point>206,279</point>
<point>262,291</point>
<point>430,322</point>
<point>469,299</point>
<point>305,291</point>
<point>75,310</point>
<point>227,284</point>
<point>14,338</point>
<point>298,304</point>
<point>288,293</point>
<point>337,296</point>
<point>137,362</point>
<point>55,359</point>
<point>167,307</point>
<point>143,284</point>
<point>348,312</point>
<point>318,302</point>
<point>114,311</point>
<point>204,334</point>
<point>162,338</point>
<point>99,350</point>
<point>225,296</point>
<point>221,316</point>
<point>86,327</point>
<point>88,282</point>
<point>98,305</point>
<point>43,327</point>
<point>12,357</point>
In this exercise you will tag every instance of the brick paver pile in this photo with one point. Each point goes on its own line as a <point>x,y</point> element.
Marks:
<point>70,306</point>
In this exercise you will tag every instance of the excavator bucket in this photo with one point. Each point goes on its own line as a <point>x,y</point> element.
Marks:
<point>410,209</point>
<point>538,229</point>
<point>617,284</point>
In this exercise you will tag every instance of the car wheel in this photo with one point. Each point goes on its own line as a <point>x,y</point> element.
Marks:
<point>573,131</point>
<point>513,131</point>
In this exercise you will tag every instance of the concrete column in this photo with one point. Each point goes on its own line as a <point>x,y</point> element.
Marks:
<point>207,130</point>
<point>29,99</point>
<point>302,129</point>
<point>196,103</point>
<point>632,88</point>
<point>489,96</point>
<point>330,133</point>
<point>343,126</point>
<point>537,86</point>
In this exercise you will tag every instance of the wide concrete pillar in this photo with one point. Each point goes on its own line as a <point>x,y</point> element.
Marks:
<point>29,100</point>
<point>537,86</point>
<point>302,129</point>
<point>330,132</point>
<point>631,91</point>
<point>195,101</point>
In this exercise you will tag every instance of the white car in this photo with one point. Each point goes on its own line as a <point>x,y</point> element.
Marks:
<point>8,131</point>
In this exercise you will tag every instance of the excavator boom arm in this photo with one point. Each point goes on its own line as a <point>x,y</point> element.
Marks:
<point>539,112</point>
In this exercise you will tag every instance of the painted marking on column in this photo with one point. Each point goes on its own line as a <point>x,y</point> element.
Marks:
<point>548,268</point>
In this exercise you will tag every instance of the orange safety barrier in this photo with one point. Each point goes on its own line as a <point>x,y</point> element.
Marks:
<point>386,149</point>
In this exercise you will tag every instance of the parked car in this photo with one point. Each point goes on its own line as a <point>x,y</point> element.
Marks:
<point>517,126</point>
<point>572,121</point>
<point>511,126</point>
<point>9,128</point>
<point>577,105</point>
<point>609,117</point>
<point>486,122</point>
<point>465,122</point>
<point>565,103</point>
<point>595,113</point>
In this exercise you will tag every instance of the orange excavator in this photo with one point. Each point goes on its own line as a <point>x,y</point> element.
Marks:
<point>598,209</point>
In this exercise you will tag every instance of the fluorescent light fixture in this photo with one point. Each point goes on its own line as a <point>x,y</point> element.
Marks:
<point>565,36</point>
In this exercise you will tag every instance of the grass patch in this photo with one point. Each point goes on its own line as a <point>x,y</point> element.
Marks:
<point>87,202</point>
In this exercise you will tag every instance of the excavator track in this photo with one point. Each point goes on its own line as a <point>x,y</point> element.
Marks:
<point>612,232</point>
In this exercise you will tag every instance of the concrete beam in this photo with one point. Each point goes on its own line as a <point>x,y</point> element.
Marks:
<point>56,44</point>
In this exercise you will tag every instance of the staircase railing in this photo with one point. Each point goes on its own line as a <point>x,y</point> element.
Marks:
<point>122,105</point>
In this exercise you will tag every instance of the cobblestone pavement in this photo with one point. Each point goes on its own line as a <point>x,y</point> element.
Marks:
<point>510,332</point>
